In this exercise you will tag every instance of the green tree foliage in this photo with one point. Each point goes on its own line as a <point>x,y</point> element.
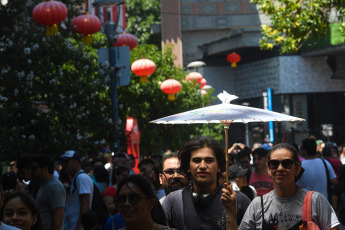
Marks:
<point>140,15</point>
<point>54,96</point>
<point>293,22</point>
<point>146,102</point>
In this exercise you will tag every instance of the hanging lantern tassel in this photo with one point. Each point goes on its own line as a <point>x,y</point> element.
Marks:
<point>51,30</point>
<point>171,96</point>
<point>87,39</point>
<point>144,79</point>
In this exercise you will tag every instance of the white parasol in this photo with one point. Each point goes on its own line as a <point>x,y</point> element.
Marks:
<point>225,113</point>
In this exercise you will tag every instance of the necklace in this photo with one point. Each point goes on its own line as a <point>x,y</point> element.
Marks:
<point>281,210</point>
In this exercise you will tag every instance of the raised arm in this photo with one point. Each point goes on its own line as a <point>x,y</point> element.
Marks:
<point>229,200</point>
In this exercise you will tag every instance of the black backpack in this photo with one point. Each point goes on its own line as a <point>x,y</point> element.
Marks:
<point>341,211</point>
<point>98,204</point>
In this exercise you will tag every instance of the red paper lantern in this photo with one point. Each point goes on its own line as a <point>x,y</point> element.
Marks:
<point>171,87</point>
<point>203,83</point>
<point>233,58</point>
<point>203,92</point>
<point>126,39</point>
<point>50,14</point>
<point>194,76</point>
<point>143,68</point>
<point>86,24</point>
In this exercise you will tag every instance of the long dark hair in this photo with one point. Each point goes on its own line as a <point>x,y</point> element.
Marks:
<point>157,213</point>
<point>26,198</point>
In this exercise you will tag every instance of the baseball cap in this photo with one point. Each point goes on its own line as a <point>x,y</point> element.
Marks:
<point>235,171</point>
<point>70,154</point>
<point>266,146</point>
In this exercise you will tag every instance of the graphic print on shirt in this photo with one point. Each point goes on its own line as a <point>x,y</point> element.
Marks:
<point>285,221</point>
<point>273,221</point>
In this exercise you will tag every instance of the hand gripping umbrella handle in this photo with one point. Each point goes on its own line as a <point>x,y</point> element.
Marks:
<point>226,129</point>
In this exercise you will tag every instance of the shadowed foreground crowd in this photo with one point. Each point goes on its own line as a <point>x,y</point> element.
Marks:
<point>268,189</point>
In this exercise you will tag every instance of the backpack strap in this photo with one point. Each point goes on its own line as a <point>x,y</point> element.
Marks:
<point>262,208</point>
<point>329,185</point>
<point>113,220</point>
<point>74,181</point>
<point>307,216</point>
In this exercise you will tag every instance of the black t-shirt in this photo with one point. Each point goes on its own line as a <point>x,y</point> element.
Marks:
<point>185,213</point>
<point>338,189</point>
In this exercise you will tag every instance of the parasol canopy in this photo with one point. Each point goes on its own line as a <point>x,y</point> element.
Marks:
<point>225,112</point>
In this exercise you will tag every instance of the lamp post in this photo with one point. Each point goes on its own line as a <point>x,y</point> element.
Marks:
<point>118,58</point>
<point>246,127</point>
<point>196,65</point>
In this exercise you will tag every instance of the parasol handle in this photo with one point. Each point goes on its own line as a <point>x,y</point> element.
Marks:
<point>226,129</point>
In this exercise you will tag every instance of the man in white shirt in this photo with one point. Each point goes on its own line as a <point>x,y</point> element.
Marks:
<point>79,198</point>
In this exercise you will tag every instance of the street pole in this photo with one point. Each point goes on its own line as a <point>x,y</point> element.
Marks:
<point>109,28</point>
<point>246,127</point>
<point>114,103</point>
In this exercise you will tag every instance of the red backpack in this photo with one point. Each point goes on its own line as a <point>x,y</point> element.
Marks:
<point>308,223</point>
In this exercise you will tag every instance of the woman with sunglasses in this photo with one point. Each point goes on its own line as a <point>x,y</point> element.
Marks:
<point>138,204</point>
<point>282,208</point>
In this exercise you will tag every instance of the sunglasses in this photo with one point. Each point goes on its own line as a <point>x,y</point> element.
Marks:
<point>171,172</point>
<point>274,164</point>
<point>133,199</point>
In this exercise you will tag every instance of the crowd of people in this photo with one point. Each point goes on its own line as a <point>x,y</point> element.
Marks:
<point>268,189</point>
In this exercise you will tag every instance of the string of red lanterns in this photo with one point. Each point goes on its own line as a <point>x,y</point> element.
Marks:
<point>51,13</point>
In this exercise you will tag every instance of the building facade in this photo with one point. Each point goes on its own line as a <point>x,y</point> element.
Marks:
<point>310,84</point>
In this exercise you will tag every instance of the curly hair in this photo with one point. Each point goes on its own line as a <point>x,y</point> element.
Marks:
<point>198,143</point>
